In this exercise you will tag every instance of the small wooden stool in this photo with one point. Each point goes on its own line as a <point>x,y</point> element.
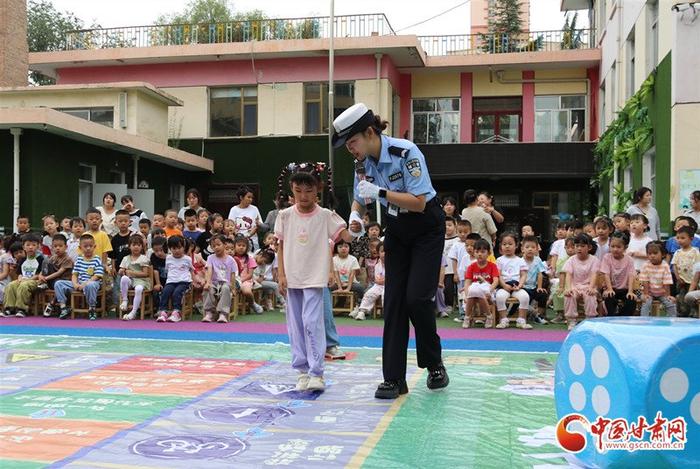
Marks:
<point>78,302</point>
<point>344,295</point>
<point>146,302</point>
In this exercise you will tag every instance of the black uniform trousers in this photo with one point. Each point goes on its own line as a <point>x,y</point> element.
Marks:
<point>413,246</point>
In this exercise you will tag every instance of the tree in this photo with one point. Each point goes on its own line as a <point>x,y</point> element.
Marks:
<point>208,11</point>
<point>504,26</point>
<point>571,37</point>
<point>46,31</point>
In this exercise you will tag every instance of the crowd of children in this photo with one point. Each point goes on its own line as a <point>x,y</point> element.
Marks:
<point>165,257</point>
<point>606,267</point>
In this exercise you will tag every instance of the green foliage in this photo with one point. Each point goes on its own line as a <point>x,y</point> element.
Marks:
<point>46,31</point>
<point>628,137</point>
<point>571,37</point>
<point>505,32</point>
<point>200,11</point>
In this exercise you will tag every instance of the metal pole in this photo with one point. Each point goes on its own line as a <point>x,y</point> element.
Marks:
<point>16,132</point>
<point>331,53</point>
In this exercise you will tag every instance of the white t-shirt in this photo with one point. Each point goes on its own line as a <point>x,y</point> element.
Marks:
<point>602,249</point>
<point>638,245</point>
<point>510,267</point>
<point>464,262</point>
<point>558,248</point>
<point>304,236</point>
<point>245,218</point>
<point>345,266</point>
<point>449,242</point>
<point>179,269</point>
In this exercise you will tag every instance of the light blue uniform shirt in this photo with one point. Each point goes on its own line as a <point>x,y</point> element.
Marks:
<point>401,170</point>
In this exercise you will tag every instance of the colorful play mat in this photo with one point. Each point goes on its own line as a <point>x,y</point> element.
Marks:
<point>96,395</point>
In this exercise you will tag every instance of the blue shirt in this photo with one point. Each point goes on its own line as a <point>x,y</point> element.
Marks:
<point>402,170</point>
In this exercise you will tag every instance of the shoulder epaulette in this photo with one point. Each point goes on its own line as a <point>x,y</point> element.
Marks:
<point>398,151</point>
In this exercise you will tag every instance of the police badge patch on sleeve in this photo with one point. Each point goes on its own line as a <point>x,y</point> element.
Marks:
<point>413,167</point>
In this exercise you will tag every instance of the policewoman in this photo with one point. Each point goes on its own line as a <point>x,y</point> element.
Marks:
<point>393,171</point>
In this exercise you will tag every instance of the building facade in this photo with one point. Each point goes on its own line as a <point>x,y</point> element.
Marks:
<point>513,116</point>
<point>649,63</point>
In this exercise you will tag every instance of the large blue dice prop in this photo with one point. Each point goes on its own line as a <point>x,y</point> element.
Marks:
<point>630,367</point>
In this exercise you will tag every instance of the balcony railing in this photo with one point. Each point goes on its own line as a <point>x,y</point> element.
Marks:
<point>233,31</point>
<point>532,41</point>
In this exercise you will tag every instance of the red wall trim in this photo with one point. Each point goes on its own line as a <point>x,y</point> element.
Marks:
<point>594,79</point>
<point>405,104</point>
<point>528,107</point>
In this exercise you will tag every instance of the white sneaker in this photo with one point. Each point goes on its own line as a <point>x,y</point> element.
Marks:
<point>571,324</point>
<point>162,316</point>
<point>465,323</point>
<point>353,313</point>
<point>444,314</point>
<point>503,324</point>
<point>521,323</point>
<point>334,353</point>
<point>175,316</point>
<point>257,308</point>
<point>360,316</point>
<point>208,317</point>
<point>222,318</point>
<point>129,317</point>
<point>489,323</point>
<point>302,382</point>
<point>316,383</point>
<point>123,306</point>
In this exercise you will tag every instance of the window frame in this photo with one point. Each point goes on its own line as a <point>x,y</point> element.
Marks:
<point>243,102</point>
<point>323,103</point>
<point>428,113</point>
<point>569,111</point>
<point>91,182</point>
<point>71,110</point>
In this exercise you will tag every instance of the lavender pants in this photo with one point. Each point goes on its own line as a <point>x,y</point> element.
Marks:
<point>307,334</point>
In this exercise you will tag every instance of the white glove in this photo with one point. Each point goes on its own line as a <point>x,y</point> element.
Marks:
<point>367,190</point>
<point>355,216</point>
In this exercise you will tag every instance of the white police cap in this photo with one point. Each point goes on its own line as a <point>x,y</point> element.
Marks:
<point>353,120</point>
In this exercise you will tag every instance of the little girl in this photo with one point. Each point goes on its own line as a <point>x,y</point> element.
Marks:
<point>372,260</point>
<point>558,282</point>
<point>179,280</point>
<point>376,290</point>
<point>199,264</point>
<point>135,271</point>
<point>246,266</point>
<point>480,281</point>
<point>639,225</point>
<point>345,267</point>
<point>618,270</point>
<point>230,229</point>
<point>8,263</point>
<point>202,218</point>
<point>220,282</point>
<point>215,225</point>
<point>513,273</point>
<point>603,228</point>
<point>656,280</point>
<point>581,278</point>
<point>51,228</point>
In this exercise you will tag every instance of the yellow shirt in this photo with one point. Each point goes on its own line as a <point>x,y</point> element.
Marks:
<point>491,258</point>
<point>102,243</point>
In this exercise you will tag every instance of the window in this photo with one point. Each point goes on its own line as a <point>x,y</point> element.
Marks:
<point>627,180</point>
<point>497,119</point>
<point>316,104</point>
<point>117,177</point>
<point>649,171</point>
<point>560,118</point>
<point>435,120</point>
<point>630,65</point>
<point>86,181</point>
<point>177,196</point>
<point>233,112</point>
<point>653,35</point>
<point>99,115</point>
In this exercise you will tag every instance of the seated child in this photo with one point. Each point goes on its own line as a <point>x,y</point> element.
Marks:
<point>618,271</point>
<point>160,273</point>
<point>145,231</point>
<point>558,282</point>
<point>8,265</point>
<point>672,243</point>
<point>621,221</point>
<point>656,280</point>
<point>603,229</point>
<point>264,275</point>
<point>19,292</point>
<point>581,280</point>
<point>180,270</point>
<point>377,288</point>
<point>512,274</point>
<point>87,278</point>
<point>683,261</point>
<point>693,296</point>
<point>51,229</point>
<point>220,275</point>
<point>480,282</point>
<point>639,225</point>
<point>345,269</point>
<point>246,267</point>
<point>135,271</point>
<point>58,267</point>
<point>536,269</point>
<point>191,232</point>
<point>171,222</point>
<point>77,228</point>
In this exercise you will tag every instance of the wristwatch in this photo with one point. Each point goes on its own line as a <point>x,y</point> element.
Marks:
<point>382,193</point>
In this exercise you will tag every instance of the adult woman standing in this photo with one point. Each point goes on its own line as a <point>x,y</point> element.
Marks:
<point>246,216</point>
<point>486,202</point>
<point>641,204</point>
<point>108,211</point>
<point>449,206</point>
<point>482,222</point>
<point>394,172</point>
<point>694,210</point>
<point>194,202</point>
